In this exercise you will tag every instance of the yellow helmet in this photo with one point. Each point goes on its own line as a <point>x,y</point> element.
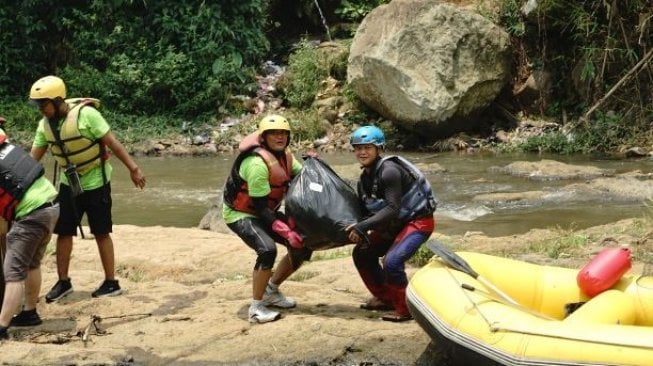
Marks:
<point>48,87</point>
<point>273,122</point>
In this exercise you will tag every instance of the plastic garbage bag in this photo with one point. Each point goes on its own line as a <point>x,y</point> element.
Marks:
<point>322,205</point>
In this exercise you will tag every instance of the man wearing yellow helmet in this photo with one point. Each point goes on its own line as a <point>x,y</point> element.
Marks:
<point>78,137</point>
<point>253,193</point>
<point>28,204</point>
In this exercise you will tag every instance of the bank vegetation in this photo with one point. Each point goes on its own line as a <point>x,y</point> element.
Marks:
<point>165,68</point>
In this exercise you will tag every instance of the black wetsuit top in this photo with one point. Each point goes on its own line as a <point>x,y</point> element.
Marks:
<point>392,184</point>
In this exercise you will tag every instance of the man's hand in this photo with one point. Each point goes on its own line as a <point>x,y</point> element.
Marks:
<point>354,236</point>
<point>137,177</point>
<point>294,239</point>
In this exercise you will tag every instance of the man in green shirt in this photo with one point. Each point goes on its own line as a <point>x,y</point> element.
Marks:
<point>78,137</point>
<point>253,193</point>
<point>33,215</point>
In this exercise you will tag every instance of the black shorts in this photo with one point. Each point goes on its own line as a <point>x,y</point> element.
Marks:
<point>96,204</point>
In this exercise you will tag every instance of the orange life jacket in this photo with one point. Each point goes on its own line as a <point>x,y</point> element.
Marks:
<point>236,192</point>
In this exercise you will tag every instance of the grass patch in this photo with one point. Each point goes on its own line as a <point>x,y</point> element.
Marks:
<point>233,277</point>
<point>562,245</point>
<point>332,254</point>
<point>134,273</point>
<point>422,257</point>
<point>51,249</point>
<point>302,276</point>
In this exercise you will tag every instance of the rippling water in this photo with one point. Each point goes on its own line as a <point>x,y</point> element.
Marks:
<point>180,191</point>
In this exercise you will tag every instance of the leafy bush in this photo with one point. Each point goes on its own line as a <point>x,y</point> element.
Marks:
<point>303,76</point>
<point>357,10</point>
<point>183,58</point>
<point>22,119</point>
<point>588,47</point>
<point>306,124</point>
<point>554,142</point>
<point>308,66</point>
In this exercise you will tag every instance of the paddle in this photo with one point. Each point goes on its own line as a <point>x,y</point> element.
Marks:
<point>490,296</point>
<point>454,261</point>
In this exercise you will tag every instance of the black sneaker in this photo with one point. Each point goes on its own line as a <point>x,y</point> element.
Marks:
<point>3,333</point>
<point>26,318</point>
<point>108,288</point>
<point>59,290</point>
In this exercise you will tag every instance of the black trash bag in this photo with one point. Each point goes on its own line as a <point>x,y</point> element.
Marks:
<point>322,205</point>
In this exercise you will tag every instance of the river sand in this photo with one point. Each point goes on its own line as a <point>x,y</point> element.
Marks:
<point>187,291</point>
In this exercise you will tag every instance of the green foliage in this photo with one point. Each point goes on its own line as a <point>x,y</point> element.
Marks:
<point>422,257</point>
<point>22,119</point>
<point>306,124</point>
<point>511,18</point>
<point>564,243</point>
<point>587,47</point>
<point>357,10</point>
<point>308,66</point>
<point>303,76</point>
<point>555,142</point>
<point>182,58</point>
<point>303,275</point>
<point>606,133</point>
<point>132,129</point>
<point>335,253</point>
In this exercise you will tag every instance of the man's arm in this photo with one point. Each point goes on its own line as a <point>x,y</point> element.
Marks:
<point>121,153</point>
<point>38,152</point>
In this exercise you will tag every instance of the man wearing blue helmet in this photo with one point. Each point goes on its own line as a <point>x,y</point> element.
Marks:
<point>398,205</point>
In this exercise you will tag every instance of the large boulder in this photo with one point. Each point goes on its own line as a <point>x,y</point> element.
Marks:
<point>428,65</point>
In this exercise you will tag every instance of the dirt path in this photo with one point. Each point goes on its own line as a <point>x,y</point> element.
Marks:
<point>196,286</point>
<point>187,292</point>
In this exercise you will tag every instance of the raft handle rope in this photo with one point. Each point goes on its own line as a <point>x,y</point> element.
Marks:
<point>490,296</point>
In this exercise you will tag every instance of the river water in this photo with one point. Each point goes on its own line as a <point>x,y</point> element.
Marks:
<point>180,190</point>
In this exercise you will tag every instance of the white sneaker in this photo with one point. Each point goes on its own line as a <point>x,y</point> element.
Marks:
<point>276,298</point>
<point>261,314</point>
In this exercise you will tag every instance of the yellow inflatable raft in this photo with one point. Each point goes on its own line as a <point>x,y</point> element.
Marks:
<point>551,322</point>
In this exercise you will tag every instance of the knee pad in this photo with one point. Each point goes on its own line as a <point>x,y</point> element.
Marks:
<point>265,260</point>
<point>298,257</point>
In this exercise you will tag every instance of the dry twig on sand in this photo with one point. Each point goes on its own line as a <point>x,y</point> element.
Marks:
<point>85,332</point>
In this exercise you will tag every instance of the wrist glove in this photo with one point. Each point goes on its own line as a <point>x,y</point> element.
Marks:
<point>293,238</point>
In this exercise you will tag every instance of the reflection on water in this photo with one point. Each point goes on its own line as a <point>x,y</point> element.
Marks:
<point>180,190</point>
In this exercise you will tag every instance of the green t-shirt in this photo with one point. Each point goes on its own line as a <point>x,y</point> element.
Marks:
<point>40,192</point>
<point>255,172</point>
<point>93,126</point>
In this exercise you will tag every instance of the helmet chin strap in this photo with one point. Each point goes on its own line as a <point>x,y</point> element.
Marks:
<point>57,102</point>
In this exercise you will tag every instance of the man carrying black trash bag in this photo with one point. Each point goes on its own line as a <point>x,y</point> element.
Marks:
<point>398,205</point>
<point>253,193</point>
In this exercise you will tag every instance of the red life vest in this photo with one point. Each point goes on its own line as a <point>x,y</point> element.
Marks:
<point>236,192</point>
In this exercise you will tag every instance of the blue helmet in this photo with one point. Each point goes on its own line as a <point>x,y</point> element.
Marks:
<point>368,135</point>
